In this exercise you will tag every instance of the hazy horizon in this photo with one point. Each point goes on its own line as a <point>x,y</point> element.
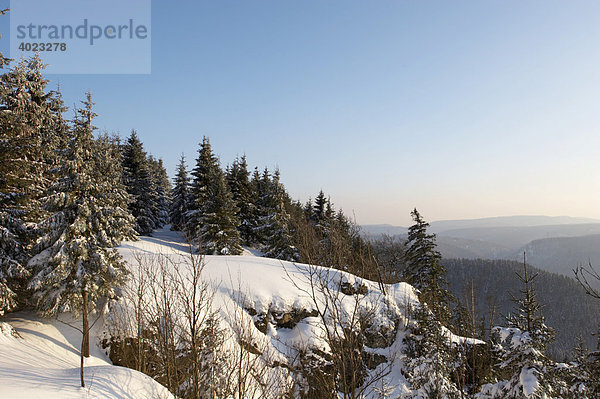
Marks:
<point>577,220</point>
<point>462,109</point>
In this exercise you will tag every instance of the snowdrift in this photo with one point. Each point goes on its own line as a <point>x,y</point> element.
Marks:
<point>39,358</point>
<point>273,299</point>
<point>277,301</point>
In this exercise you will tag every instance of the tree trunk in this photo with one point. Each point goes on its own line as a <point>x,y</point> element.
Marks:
<point>81,368</point>
<point>85,345</point>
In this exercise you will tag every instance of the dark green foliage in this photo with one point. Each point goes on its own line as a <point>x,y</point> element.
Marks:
<point>263,187</point>
<point>137,175</point>
<point>31,134</point>
<point>245,198</point>
<point>212,219</point>
<point>276,228</point>
<point>87,220</point>
<point>218,234</point>
<point>424,271</point>
<point>207,166</point>
<point>318,214</point>
<point>180,200</point>
<point>162,189</point>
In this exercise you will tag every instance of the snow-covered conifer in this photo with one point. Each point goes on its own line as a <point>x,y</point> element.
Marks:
<point>424,271</point>
<point>207,167</point>
<point>31,133</point>
<point>432,358</point>
<point>275,224</point>
<point>218,232</point>
<point>180,198</point>
<point>79,262</point>
<point>244,197</point>
<point>524,371</point>
<point>161,187</point>
<point>139,183</point>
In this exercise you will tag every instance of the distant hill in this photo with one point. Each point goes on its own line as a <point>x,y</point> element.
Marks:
<point>508,221</point>
<point>562,254</point>
<point>557,247</point>
<point>371,230</point>
<point>444,226</point>
<point>496,240</point>
<point>454,247</point>
<point>515,237</point>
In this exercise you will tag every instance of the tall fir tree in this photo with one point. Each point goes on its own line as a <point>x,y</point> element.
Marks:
<point>524,370</point>
<point>161,186</point>
<point>276,223</point>
<point>263,187</point>
<point>137,176</point>
<point>79,265</point>
<point>424,271</point>
<point>319,208</point>
<point>31,132</point>
<point>207,167</point>
<point>238,179</point>
<point>116,222</point>
<point>218,234</point>
<point>180,197</point>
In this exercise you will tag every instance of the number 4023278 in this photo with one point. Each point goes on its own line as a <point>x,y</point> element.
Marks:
<point>25,46</point>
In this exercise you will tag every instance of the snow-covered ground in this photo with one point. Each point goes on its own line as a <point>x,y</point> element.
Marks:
<point>249,284</point>
<point>42,361</point>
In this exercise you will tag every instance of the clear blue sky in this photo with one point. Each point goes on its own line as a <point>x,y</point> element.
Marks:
<point>460,108</point>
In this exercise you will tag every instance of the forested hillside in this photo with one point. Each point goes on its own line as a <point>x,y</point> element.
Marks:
<point>567,308</point>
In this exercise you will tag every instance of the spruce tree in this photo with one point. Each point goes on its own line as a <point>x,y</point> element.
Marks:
<point>276,224</point>
<point>238,179</point>
<point>115,223</point>
<point>524,369</point>
<point>424,271</point>
<point>264,204</point>
<point>218,234</point>
<point>31,133</point>
<point>180,198</point>
<point>161,187</point>
<point>78,265</point>
<point>256,188</point>
<point>582,376</point>
<point>308,209</point>
<point>319,208</point>
<point>207,168</point>
<point>137,176</point>
<point>432,358</point>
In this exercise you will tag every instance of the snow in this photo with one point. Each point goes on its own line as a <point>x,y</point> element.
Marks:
<point>263,282</point>
<point>40,358</point>
<point>43,360</point>
<point>529,381</point>
<point>267,285</point>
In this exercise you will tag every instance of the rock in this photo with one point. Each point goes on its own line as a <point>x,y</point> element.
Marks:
<point>352,289</point>
<point>281,319</point>
<point>381,336</point>
<point>372,360</point>
<point>292,318</point>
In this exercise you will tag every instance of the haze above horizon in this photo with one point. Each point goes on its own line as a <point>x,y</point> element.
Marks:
<point>461,109</point>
